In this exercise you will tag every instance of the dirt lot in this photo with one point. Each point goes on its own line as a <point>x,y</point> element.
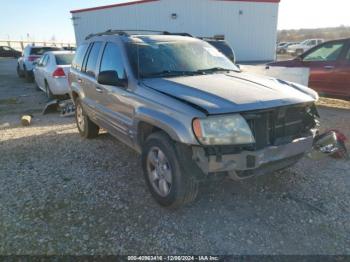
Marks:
<point>60,194</point>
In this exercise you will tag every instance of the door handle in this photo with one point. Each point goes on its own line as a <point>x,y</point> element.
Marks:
<point>99,90</point>
<point>329,67</point>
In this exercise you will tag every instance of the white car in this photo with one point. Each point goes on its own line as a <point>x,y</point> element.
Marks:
<point>302,47</point>
<point>51,72</point>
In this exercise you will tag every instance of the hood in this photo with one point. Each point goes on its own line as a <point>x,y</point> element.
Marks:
<point>234,92</point>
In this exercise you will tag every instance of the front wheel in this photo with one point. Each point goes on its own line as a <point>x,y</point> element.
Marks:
<point>169,184</point>
<point>86,127</point>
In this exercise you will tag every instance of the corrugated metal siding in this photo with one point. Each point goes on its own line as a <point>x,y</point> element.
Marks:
<point>251,28</point>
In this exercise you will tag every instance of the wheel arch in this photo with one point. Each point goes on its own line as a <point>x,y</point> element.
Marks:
<point>148,121</point>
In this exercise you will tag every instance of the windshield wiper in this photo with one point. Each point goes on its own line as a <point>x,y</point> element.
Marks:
<point>169,73</point>
<point>188,73</point>
<point>215,69</point>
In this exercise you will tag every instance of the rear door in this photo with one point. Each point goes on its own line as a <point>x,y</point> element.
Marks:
<point>89,79</point>
<point>323,61</point>
<point>76,75</point>
<point>39,71</point>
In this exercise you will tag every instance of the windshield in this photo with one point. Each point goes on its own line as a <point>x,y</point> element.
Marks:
<point>64,59</point>
<point>41,50</point>
<point>159,59</point>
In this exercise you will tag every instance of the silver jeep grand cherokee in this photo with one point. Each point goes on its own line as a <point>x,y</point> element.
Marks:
<point>189,111</point>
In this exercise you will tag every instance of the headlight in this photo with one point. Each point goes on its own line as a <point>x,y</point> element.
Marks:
<point>223,130</point>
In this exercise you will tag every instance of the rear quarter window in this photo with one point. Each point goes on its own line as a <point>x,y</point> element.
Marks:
<point>91,66</point>
<point>79,57</point>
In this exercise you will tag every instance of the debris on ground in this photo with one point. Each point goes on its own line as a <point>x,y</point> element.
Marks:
<point>66,107</point>
<point>26,120</point>
<point>51,107</point>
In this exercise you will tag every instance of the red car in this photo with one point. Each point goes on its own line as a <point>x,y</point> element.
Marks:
<point>329,65</point>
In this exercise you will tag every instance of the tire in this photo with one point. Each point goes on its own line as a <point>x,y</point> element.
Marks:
<point>87,128</point>
<point>48,91</point>
<point>170,185</point>
<point>28,77</point>
<point>19,72</point>
<point>37,88</point>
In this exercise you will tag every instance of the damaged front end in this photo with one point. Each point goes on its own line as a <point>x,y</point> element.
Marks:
<point>330,143</point>
<point>282,137</point>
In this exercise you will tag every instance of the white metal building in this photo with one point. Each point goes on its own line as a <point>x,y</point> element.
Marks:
<point>250,26</point>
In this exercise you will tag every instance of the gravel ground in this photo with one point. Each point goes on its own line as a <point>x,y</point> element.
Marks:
<point>60,194</point>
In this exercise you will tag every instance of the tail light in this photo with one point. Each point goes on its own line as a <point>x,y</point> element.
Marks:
<point>59,72</point>
<point>32,58</point>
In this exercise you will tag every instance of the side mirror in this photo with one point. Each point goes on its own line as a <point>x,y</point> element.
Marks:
<point>111,78</point>
<point>36,62</point>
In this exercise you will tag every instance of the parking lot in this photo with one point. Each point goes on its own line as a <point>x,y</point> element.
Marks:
<point>60,194</point>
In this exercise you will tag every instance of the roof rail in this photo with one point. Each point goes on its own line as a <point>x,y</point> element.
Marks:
<point>125,33</point>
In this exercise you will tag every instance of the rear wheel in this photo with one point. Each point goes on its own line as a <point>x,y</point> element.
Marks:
<point>19,72</point>
<point>37,88</point>
<point>86,127</point>
<point>48,91</point>
<point>165,176</point>
<point>28,76</point>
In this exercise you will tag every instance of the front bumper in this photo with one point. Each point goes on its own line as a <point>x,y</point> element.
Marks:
<point>276,157</point>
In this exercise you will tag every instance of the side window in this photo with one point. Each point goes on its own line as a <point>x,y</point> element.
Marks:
<point>348,55</point>
<point>326,52</point>
<point>41,61</point>
<point>112,60</point>
<point>79,56</point>
<point>46,60</point>
<point>92,60</point>
<point>312,42</point>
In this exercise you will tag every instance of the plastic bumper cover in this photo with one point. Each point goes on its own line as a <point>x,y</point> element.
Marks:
<point>252,160</point>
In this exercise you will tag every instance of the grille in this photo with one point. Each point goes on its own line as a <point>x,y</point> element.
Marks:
<point>280,125</point>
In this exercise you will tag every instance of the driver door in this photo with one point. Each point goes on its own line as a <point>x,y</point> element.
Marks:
<point>323,62</point>
<point>115,101</point>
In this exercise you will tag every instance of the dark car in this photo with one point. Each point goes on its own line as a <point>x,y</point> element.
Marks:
<point>329,65</point>
<point>6,51</point>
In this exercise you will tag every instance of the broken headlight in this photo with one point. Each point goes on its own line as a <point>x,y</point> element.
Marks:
<point>223,130</point>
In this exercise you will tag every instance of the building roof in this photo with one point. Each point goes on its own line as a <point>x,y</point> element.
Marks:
<point>148,1</point>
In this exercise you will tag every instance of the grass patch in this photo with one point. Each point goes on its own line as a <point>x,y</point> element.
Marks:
<point>9,101</point>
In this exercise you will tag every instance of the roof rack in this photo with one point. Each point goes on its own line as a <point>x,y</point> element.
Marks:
<point>215,37</point>
<point>125,33</point>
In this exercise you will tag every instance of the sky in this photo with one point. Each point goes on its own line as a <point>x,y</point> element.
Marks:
<point>47,19</point>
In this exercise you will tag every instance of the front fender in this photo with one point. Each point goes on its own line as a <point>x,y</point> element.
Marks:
<point>178,130</point>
